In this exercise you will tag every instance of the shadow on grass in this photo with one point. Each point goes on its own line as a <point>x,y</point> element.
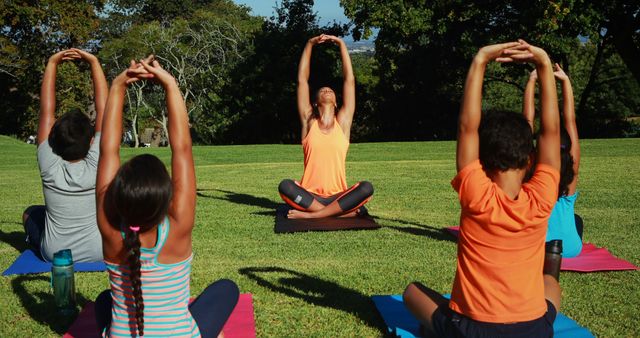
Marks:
<point>316,291</point>
<point>16,239</point>
<point>41,305</point>
<point>239,198</point>
<point>417,229</point>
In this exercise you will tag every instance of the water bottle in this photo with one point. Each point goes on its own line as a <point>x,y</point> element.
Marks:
<point>553,258</point>
<point>62,282</point>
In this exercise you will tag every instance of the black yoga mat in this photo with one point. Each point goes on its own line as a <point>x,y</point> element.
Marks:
<point>285,225</point>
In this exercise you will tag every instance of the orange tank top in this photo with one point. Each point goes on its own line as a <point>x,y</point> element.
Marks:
<point>324,160</point>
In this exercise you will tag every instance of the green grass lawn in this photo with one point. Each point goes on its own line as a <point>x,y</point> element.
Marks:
<point>318,284</point>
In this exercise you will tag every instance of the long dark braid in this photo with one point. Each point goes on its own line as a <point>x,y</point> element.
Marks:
<point>132,243</point>
<point>139,197</point>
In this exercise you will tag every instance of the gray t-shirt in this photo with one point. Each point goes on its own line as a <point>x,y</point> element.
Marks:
<point>69,195</point>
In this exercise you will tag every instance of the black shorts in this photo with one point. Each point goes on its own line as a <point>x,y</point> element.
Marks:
<point>448,323</point>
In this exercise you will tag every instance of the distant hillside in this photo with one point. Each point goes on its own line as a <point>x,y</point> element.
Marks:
<point>363,46</point>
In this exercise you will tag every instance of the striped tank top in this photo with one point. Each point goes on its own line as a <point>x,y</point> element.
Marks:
<point>324,160</point>
<point>165,291</point>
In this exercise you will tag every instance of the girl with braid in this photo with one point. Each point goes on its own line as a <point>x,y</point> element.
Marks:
<point>146,219</point>
<point>323,190</point>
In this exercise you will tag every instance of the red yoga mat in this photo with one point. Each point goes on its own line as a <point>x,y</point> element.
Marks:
<point>590,259</point>
<point>241,324</point>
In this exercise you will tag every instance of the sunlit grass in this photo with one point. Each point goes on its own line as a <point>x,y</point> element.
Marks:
<point>318,284</point>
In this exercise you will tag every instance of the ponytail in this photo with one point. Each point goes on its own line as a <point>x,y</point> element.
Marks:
<point>132,243</point>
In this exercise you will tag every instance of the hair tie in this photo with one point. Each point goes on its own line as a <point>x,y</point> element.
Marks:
<point>563,146</point>
<point>134,228</point>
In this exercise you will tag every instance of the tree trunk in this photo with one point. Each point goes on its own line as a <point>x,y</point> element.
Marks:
<point>623,27</point>
<point>595,69</point>
<point>134,127</point>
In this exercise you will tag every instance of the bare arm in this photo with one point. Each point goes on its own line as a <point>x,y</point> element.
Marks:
<point>569,120</point>
<point>109,161</point>
<point>48,93</point>
<point>100,87</point>
<point>345,115</point>
<point>304,70</point>
<point>549,142</point>
<point>529,102</point>
<point>183,203</point>
<point>468,146</point>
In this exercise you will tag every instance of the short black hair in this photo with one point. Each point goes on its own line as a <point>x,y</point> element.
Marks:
<point>506,141</point>
<point>70,136</point>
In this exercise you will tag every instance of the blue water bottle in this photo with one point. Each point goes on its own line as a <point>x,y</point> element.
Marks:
<point>62,282</point>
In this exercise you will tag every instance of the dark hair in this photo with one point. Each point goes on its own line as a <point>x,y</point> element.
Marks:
<point>139,195</point>
<point>506,141</point>
<point>566,163</point>
<point>70,136</point>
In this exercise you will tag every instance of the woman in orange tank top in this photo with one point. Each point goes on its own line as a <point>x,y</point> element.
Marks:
<point>323,190</point>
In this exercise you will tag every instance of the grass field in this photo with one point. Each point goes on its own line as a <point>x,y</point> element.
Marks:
<point>318,284</point>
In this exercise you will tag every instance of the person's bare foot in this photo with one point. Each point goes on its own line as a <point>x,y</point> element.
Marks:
<point>294,214</point>
<point>351,214</point>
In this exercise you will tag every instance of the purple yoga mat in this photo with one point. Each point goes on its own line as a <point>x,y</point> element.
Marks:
<point>241,324</point>
<point>590,259</point>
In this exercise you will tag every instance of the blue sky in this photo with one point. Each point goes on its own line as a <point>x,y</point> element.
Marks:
<point>327,10</point>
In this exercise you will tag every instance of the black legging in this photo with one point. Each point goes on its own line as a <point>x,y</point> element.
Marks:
<point>210,310</point>
<point>351,199</point>
<point>579,224</point>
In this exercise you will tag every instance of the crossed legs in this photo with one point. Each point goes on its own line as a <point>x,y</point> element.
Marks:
<point>309,205</point>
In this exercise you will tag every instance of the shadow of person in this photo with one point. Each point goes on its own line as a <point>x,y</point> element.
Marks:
<point>16,239</point>
<point>316,291</point>
<point>417,229</point>
<point>41,305</point>
<point>239,198</point>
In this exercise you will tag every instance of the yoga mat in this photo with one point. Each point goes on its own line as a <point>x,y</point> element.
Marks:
<point>590,259</point>
<point>29,262</point>
<point>286,225</point>
<point>400,322</point>
<point>240,324</point>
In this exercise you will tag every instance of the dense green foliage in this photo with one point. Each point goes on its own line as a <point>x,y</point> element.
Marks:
<point>318,284</point>
<point>423,51</point>
<point>238,71</point>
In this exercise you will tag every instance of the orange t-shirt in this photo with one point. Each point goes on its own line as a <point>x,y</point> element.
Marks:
<point>324,160</point>
<point>501,246</point>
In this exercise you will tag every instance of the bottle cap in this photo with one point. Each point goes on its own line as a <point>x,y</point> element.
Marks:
<point>554,246</point>
<point>62,257</point>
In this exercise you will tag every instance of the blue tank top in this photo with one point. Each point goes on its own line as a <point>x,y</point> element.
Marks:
<point>562,225</point>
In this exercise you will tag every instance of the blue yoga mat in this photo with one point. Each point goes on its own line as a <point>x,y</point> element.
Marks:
<point>401,323</point>
<point>29,262</point>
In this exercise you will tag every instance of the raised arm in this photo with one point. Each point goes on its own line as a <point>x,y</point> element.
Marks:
<point>468,146</point>
<point>304,70</point>
<point>48,93</point>
<point>529,102</point>
<point>109,161</point>
<point>569,121</point>
<point>100,87</point>
<point>183,203</point>
<point>549,141</point>
<point>345,115</point>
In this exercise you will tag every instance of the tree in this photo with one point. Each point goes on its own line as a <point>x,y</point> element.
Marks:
<point>259,99</point>
<point>197,52</point>
<point>423,50</point>
<point>31,32</point>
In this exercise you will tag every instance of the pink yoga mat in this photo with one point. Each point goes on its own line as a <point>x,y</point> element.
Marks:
<point>590,259</point>
<point>241,324</point>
